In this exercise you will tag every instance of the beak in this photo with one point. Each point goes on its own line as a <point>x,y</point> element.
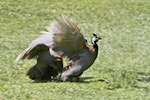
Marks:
<point>99,38</point>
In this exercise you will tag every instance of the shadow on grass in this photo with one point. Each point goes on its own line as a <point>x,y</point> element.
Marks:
<point>82,80</point>
<point>90,80</point>
<point>144,77</point>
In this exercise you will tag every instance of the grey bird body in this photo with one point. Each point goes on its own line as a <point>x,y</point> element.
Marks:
<point>79,63</point>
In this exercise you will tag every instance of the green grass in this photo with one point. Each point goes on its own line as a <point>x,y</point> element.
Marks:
<point>122,69</point>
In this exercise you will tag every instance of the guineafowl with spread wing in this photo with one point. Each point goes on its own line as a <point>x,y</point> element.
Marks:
<point>80,62</point>
<point>62,39</point>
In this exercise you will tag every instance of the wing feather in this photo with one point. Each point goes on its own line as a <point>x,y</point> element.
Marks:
<point>62,38</point>
<point>38,45</point>
<point>67,38</point>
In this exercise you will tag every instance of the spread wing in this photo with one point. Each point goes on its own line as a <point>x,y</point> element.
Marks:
<point>62,38</point>
<point>67,38</point>
<point>36,46</point>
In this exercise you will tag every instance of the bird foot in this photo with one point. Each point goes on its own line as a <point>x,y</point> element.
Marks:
<point>59,58</point>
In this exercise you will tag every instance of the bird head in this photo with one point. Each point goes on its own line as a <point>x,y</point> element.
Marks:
<point>95,38</point>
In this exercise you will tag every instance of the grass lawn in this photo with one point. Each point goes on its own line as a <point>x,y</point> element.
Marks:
<point>122,69</point>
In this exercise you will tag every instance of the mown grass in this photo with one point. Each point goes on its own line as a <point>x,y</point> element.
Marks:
<point>122,69</point>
